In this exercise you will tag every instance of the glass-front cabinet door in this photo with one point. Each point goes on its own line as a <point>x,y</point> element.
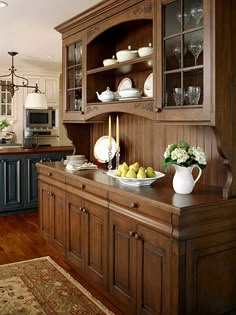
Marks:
<point>186,66</point>
<point>73,79</point>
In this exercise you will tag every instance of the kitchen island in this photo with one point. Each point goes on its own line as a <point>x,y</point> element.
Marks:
<point>147,249</point>
<point>18,175</point>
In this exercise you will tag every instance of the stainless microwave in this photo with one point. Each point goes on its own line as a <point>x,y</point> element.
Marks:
<point>40,118</point>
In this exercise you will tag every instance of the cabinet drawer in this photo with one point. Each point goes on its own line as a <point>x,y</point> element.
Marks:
<point>52,174</point>
<point>78,183</point>
<point>140,206</point>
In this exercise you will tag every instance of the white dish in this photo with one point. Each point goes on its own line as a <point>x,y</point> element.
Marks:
<point>110,61</point>
<point>148,86</point>
<point>126,54</point>
<point>145,51</point>
<point>132,92</point>
<point>136,181</point>
<point>125,84</point>
<point>101,149</point>
<point>129,98</point>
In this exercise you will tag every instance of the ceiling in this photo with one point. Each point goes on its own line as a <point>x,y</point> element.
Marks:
<point>27,27</point>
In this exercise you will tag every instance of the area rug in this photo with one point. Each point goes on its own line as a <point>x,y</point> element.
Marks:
<point>41,287</point>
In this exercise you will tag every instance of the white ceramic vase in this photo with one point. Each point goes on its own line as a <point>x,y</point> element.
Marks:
<point>183,181</point>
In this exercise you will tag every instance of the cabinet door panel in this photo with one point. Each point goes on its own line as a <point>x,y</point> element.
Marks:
<point>57,200</point>
<point>11,176</point>
<point>96,242</point>
<point>31,181</point>
<point>74,230</point>
<point>44,209</point>
<point>153,272</point>
<point>122,283</point>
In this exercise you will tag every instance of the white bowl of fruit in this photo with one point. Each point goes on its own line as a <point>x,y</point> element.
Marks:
<point>135,175</point>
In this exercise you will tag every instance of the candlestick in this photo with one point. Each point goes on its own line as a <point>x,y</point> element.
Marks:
<point>117,133</point>
<point>117,158</point>
<point>109,132</point>
<point>109,159</point>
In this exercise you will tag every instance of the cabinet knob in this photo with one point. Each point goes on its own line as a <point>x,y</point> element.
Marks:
<point>131,233</point>
<point>157,110</point>
<point>84,210</point>
<point>136,236</point>
<point>82,186</point>
<point>49,174</point>
<point>80,209</point>
<point>48,193</point>
<point>133,205</point>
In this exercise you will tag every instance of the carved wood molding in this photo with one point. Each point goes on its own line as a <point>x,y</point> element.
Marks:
<point>90,109</point>
<point>143,10</point>
<point>148,107</point>
<point>229,175</point>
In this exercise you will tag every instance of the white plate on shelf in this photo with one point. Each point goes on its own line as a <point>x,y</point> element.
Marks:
<point>101,149</point>
<point>125,84</point>
<point>148,86</point>
<point>136,181</point>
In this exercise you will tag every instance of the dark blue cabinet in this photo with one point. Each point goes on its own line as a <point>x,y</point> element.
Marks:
<point>19,180</point>
<point>11,180</point>
<point>31,180</point>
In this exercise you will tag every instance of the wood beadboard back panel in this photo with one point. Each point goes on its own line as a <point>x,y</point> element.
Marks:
<point>145,141</point>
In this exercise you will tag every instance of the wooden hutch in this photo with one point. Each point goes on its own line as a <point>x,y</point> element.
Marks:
<point>147,249</point>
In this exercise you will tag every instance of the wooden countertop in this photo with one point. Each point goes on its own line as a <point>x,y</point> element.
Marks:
<point>21,150</point>
<point>161,192</point>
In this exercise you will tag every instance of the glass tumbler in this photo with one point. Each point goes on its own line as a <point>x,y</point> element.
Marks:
<point>177,93</point>
<point>194,93</point>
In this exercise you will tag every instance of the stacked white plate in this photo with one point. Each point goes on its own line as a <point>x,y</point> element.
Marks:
<point>75,160</point>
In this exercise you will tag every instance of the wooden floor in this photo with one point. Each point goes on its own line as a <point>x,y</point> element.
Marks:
<point>20,240</point>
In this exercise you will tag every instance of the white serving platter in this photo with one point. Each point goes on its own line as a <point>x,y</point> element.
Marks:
<point>136,181</point>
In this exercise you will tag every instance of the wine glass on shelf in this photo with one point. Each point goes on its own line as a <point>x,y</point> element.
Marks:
<point>185,16</point>
<point>177,53</point>
<point>196,47</point>
<point>197,13</point>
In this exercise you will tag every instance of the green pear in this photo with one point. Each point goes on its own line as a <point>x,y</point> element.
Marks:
<point>118,172</point>
<point>124,167</point>
<point>150,172</point>
<point>123,174</point>
<point>141,173</point>
<point>131,174</point>
<point>134,167</point>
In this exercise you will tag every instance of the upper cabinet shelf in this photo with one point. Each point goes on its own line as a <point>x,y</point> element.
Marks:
<point>180,33</point>
<point>120,68</point>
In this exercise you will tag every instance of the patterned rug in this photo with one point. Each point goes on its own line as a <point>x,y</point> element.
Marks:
<point>41,287</point>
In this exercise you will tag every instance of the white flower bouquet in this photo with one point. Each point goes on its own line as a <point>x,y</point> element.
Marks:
<point>183,155</point>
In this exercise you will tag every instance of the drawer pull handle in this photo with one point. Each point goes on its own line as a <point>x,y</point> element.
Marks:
<point>49,174</point>
<point>133,205</point>
<point>131,233</point>
<point>82,186</point>
<point>136,236</point>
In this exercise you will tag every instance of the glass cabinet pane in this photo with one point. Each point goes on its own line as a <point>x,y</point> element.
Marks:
<point>74,72</point>
<point>194,45</point>
<point>172,22</point>
<point>183,53</point>
<point>193,9</point>
<point>173,53</point>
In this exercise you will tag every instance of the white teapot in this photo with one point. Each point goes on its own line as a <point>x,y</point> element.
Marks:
<point>107,95</point>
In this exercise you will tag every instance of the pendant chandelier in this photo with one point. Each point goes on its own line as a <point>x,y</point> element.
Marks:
<point>36,99</point>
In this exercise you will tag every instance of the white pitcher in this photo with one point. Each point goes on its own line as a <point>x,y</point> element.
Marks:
<point>183,181</point>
